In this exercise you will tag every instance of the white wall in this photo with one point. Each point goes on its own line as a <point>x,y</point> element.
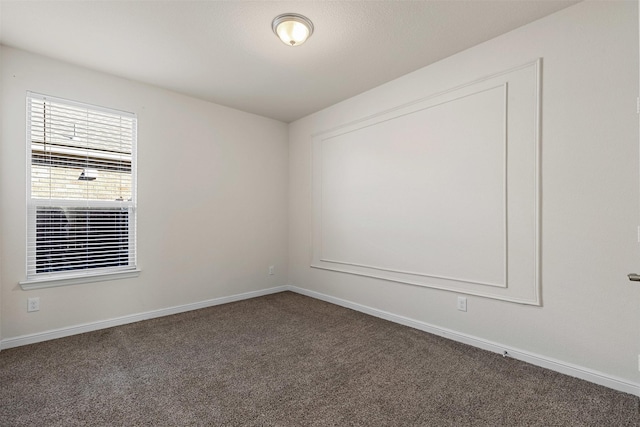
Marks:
<point>590,313</point>
<point>212,199</point>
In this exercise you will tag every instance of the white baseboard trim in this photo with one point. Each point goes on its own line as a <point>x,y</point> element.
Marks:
<point>535,359</point>
<point>103,324</point>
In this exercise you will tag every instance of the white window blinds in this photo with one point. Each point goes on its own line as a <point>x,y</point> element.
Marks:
<point>81,211</point>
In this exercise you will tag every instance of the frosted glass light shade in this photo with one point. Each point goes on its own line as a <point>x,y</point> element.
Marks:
<point>292,29</point>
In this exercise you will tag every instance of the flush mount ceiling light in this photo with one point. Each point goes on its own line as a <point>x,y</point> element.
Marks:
<point>292,29</point>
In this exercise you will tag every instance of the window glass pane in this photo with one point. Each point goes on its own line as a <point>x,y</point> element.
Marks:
<point>81,213</point>
<point>81,238</point>
<point>52,182</point>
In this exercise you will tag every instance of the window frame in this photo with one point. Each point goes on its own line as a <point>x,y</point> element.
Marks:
<point>35,280</point>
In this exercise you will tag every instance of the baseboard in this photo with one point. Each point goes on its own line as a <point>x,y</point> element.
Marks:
<point>103,324</point>
<point>535,359</point>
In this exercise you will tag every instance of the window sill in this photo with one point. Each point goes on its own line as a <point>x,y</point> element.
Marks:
<point>52,282</point>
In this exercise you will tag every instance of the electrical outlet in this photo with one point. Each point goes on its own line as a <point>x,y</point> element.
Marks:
<point>271,270</point>
<point>462,304</point>
<point>33,304</point>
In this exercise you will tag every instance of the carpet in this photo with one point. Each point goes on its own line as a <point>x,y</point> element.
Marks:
<point>288,360</point>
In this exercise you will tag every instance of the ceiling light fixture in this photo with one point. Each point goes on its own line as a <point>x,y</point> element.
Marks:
<point>292,29</point>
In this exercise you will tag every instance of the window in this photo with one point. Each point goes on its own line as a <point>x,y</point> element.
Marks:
<point>81,209</point>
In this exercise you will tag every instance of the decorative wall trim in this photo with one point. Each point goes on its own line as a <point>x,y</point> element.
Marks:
<point>526,289</point>
<point>402,113</point>
<point>413,273</point>
<point>477,293</point>
<point>570,369</point>
<point>118,321</point>
<point>365,119</point>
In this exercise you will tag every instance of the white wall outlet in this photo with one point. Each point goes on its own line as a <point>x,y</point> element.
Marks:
<point>271,270</point>
<point>33,304</point>
<point>462,304</point>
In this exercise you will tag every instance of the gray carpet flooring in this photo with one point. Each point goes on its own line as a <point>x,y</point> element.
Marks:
<point>287,360</point>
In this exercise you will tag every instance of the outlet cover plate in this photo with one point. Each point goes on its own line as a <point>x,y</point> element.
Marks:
<point>33,304</point>
<point>462,304</point>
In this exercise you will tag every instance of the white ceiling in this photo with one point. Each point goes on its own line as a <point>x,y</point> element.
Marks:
<point>225,51</point>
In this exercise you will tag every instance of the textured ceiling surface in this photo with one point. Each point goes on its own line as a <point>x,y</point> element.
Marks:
<point>225,51</point>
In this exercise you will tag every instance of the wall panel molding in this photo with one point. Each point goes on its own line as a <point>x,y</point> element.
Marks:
<point>440,192</point>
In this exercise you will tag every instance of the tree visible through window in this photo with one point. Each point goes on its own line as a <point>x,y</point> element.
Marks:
<point>82,201</point>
